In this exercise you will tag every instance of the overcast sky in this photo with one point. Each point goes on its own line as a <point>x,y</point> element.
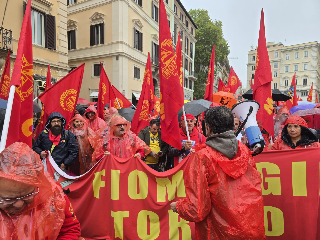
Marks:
<point>287,21</point>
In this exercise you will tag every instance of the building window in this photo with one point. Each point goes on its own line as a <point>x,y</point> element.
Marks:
<point>181,17</point>
<point>187,24</point>
<point>286,69</point>
<point>97,34</point>
<point>190,68</point>
<point>253,58</point>
<point>175,33</point>
<point>186,82</point>
<point>296,67</point>
<point>305,66</point>
<point>190,84</point>
<point>306,54</point>
<point>139,2</point>
<point>155,53</point>
<point>37,23</point>
<point>275,73</point>
<point>286,83</point>
<point>276,54</point>
<point>252,75</point>
<point>275,86</point>
<point>304,93</point>
<point>275,65</point>
<point>287,56</point>
<point>305,82</point>
<point>175,9</point>
<point>169,22</point>
<point>186,64</point>
<point>138,40</point>
<point>191,49</point>
<point>167,1</point>
<point>136,72</point>
<point>155,12</point>
<point>70,2</point>
<point>192,30</point>
<point>187,46</point>
<point>296,55</point>
<point>71,39</point>
<point>181,37</point>
<point>96,70</point>
<point>253,67</point>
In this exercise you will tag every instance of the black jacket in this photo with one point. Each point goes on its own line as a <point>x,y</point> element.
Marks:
<point>66,151</point>
<point>144,135</point>
<point>308,136</point>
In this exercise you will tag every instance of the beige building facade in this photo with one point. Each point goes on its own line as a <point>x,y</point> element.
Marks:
<point>302,59</point>
<point>49,37</point>
<point>119,34</point>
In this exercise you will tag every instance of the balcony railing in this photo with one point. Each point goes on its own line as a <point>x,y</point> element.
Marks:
<point>5,38</point>
<point>155,60</point>
<point>193,74</point>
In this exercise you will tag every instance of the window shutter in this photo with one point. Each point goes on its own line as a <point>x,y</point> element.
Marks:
<point>50,28</point>
<point>152,10</point>
<point>152,53</point>
<point>141,42</point>
<point>68,3</point>
<point>157,14</point>
<point>73,39</point>
<point>24,7</point>
<point>101,33</point>
<point>135,45</point>
<point>91,35</point>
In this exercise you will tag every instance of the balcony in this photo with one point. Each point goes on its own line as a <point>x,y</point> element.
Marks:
<point>5,39</point>
<point>193,76</point>
<point>155,60</point>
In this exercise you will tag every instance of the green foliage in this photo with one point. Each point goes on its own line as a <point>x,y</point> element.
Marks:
<point>208,33</point>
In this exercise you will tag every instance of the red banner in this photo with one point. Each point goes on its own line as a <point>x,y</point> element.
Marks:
<point>209,88</point>
<point>129,200</point>
<point>118,100</point>
<point>233,81</point>
<point>5,79</point>
<point>309,99</point>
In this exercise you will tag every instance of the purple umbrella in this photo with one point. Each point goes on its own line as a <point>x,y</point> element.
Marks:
<point>312,111</point>
<point>303,107</point>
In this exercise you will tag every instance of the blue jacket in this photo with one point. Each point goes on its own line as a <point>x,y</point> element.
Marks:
<point>66,151</point>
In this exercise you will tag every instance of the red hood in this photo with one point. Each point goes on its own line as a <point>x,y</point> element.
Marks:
<point>91,108</point>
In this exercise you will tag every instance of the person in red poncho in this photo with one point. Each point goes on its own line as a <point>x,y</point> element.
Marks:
<point>32,205</point>
<point>187,145</point>
<point>223,186</point>
<point>94,122</point>
<point>296,134</point>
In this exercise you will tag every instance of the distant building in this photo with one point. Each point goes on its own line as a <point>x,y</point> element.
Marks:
<point>302,59</point>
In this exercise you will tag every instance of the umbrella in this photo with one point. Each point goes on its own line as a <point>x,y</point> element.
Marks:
<point>82,101</point>
<point>311,111</point>
<point>3,103</point>
<point>195,107</point>
<point>224,98</point>
<point>303,107</point>
<point>276,95</point>
<point>127,113</point>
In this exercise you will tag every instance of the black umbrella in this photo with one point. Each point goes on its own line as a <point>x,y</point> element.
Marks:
<point>127,113</point>
<point>276,95</point>
<point>195,107</point>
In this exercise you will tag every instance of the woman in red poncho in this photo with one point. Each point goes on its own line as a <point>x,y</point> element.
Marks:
<point>295,134</point>
<point>94,122</point>
<point>79,127</point>
<point>223,186</point>
<point>32,205</point>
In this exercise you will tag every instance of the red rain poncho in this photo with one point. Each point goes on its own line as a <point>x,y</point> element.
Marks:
<point>308,139</point>
<point>223,196</point>
<point>95,123</point>
<point>124,147</point>
<point>85,141</point>
<point>47,216</point>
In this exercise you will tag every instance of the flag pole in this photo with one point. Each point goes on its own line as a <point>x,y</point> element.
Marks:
<point>7,118</point>
<point>185,122</point>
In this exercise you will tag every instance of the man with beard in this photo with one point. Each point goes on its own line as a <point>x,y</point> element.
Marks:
<point>62,144</point>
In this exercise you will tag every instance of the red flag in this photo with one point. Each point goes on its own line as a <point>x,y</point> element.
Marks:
<point>221,87</point>
<point>21,120</point>
<point>44,116</point>
<point>104,92</point>
<point>209,88</point>
<point>233,81</point>
<point>309,99</point>
<point>178,55</point>
<point>117,99</point>
<point>156,101</point>
<point>171,88</point>
<point>141,116</point>
<point>63,96</point>
<point>293,93</point>
<point>262,82</point>
<point>317,100</point>
<point>5,79</point>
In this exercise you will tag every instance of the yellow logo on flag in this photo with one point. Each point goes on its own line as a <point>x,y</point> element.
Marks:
<point>209,73</point>
<point>234,80</point>
<point>162,115</point>
<point>257,61</point>
<point>68,100</point>
<point>25,128</point>
<point>169,63</point>
<point>5,86</point>
<point>104,91</point>
<point>116,105</point>
<point>147,76</point>
<point>26,80</point>
<point>144,111</point>
<point>269,106</point>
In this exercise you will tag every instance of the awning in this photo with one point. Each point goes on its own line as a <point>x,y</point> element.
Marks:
<point>94,94</point>
<point>136,95</point>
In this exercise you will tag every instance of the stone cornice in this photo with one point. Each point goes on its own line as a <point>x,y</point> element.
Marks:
<point>97,18</point>
<point>42,5</point>
<point>71,25</point>
<point>137,23</point>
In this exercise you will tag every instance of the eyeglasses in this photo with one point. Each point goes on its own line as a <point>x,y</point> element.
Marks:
<point>120,125</point>
<point>56,121</point>
<point>24,198</point>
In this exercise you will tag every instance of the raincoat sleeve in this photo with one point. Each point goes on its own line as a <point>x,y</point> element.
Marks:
<point>142,147</point>
<point>37,144</point>
<point>197,204</point>
<point>73,150</point>
<point>70,230</point>
<point>277,144</point>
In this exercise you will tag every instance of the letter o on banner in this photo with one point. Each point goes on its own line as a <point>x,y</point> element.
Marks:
<point>277,221</point>
<point>133,191</point>
<point>142,225</point>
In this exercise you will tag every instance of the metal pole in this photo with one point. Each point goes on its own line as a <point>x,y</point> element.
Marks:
<point>185,122</point>
<point>4,13</point>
